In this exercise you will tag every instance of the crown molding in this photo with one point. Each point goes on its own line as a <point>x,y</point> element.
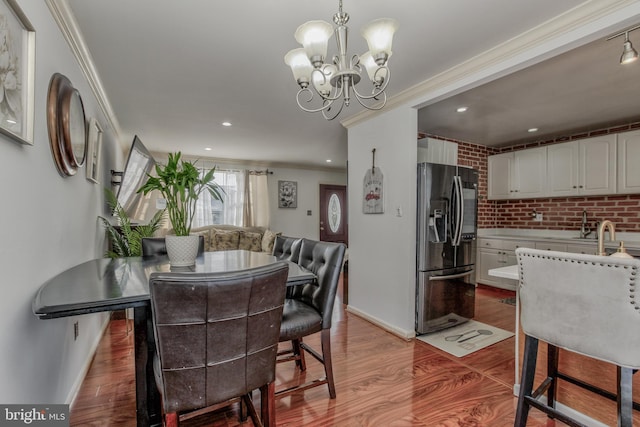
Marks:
<point>68,25</point>
<point>534,45</point>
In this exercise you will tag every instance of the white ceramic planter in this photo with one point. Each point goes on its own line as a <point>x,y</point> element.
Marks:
<point>182,250</point>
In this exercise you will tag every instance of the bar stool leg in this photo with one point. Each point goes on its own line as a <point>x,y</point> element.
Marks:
<point>552,372</point>
<point>526,382</point>
<point>625,397</point>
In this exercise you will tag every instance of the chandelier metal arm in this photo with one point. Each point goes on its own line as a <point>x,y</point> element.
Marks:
<point>326,103</point>
<point>377,90</point>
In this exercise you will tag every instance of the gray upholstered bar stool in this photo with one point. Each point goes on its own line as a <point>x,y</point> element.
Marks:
<point>581,303</point>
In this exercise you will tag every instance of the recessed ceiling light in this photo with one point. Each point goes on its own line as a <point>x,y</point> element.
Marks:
<point>531,130</point>
<point>208,149</point>
<point>462,109</point>
<point>226,123</point>
<point>328,160</point>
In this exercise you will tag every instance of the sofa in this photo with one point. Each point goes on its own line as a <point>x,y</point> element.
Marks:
<point>230,237</point>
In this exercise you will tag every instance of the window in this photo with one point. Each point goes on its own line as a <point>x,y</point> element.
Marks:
<point>228,211</point>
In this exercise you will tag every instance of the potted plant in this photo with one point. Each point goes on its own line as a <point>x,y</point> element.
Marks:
<point>181,183</point>
<point>125,239</point>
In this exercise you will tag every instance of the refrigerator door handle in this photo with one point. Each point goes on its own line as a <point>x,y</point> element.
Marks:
<point>452,276</point>
<point>458,202</point>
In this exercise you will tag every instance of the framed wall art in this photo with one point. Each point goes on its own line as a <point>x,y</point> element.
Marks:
<point>94,143</point>
<point>287,194</point>
<point>17,48</point>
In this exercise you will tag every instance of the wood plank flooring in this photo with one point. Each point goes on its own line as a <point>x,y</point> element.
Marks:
<point>381,380</point>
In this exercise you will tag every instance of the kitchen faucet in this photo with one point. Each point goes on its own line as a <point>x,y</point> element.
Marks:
<point>612,235</point>
<point>584,229</point>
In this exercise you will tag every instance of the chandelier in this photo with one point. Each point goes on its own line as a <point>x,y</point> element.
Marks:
<point>335,82</point>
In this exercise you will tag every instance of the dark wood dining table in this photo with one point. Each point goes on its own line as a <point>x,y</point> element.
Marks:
<point>113,284</point>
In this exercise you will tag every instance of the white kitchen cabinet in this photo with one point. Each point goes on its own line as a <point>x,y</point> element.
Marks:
<point>589,249</point>
<point>551,246</point>
<point>627,165</point>
<point>494,253</point>
<point>518,174</point>
<point>437,151</point>
<point>585,167</point>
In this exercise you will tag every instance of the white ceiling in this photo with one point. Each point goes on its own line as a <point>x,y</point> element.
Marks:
<point>584,89</point>
<point>172,71</point>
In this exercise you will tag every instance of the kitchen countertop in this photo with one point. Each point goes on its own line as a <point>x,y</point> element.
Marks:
<point>631,240</point>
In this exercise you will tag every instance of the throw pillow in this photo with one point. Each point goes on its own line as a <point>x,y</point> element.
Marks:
<point>225,240</point>
<point>250,241</point>
<point>207,238</point>
<point>267,240</point>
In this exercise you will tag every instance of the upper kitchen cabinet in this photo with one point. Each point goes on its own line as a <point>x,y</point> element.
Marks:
<point>586,167</point>
<point>628,155</point>
<point>518,174</point>
<point>437,151</point>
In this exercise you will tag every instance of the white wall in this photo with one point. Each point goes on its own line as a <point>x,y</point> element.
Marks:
<point>290,221</point>
<point>49,224</point>
<point>382,246</point>
<point>296,222</point>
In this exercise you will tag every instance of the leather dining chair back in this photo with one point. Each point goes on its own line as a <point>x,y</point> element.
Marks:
<point>217,337</point>
<point>585,304</point>
<point>287,248</point>
<point>308,309</point>
<point>156,246</point>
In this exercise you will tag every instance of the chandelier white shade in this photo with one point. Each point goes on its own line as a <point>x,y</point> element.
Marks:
<point>328,86</point>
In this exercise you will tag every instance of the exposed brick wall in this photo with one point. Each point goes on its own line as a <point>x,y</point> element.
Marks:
<point>558,213</point>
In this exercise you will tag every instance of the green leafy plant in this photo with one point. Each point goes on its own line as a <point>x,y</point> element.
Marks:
<point>181,183</point>
<point>127,240</point>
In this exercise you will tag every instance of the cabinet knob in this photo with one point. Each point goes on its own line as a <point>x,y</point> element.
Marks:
<point>575,186</point>
<point>581,186</point>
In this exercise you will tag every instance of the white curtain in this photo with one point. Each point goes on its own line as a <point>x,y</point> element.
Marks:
<point>256,199</point>
<point>229,211</point>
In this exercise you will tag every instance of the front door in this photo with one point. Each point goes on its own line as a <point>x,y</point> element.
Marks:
<point>333,213</point>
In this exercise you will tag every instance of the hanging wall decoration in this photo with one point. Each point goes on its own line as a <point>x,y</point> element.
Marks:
<point>17,70</point>
<point>372,201</point>
<point>287,194</point>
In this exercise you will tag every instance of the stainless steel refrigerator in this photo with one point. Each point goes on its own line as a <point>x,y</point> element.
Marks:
<point>446,246</point>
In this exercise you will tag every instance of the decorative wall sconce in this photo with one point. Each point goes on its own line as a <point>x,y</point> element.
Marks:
<point>629,54</point>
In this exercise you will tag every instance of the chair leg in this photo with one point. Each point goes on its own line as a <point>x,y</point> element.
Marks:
<point>171,419</point>
<point>257,421</point>
<point>552,372</point>
<point>326,356</point>
<point>243,409</point>
<point>298,351</point>
<point>526,382</point>
<point>625,397</point>
<point>268,404</point>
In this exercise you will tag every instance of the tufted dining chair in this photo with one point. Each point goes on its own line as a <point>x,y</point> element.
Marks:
<point>308,310</point>
<point>156,246</point>
<point>586,304</point>
<point>217,339</point>
<point>287,248</point>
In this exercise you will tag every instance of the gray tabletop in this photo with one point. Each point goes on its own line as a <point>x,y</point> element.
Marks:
<point>111,284</point>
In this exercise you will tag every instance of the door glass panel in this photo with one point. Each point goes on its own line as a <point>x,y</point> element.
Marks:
<point>334,212</point>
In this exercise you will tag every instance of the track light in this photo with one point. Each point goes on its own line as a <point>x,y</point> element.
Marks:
<point>629,54</point>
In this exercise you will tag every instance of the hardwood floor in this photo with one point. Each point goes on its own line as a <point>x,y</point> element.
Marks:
<point>381,380</point>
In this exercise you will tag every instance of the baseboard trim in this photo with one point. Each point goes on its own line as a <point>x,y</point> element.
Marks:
<point>402,333</point>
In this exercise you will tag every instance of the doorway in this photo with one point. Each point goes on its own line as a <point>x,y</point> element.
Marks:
<point>333,214</point>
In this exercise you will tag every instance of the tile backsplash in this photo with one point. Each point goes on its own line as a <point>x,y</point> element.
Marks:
<point>558,213</point>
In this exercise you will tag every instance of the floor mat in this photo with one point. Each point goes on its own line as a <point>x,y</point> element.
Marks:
<point>466,338</point>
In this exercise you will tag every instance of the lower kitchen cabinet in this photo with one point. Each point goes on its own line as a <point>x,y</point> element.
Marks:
<point>494,253</point>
